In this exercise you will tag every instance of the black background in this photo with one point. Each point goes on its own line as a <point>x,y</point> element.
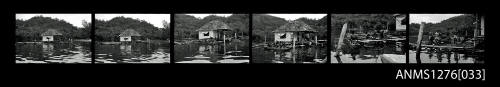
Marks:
<point>309,75</point>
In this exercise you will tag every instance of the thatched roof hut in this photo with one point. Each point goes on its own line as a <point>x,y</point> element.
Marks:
<point>399,15</point>
<point>214,25</point>
<point>400,22</point>
<point>51,32</point>
<point>295,26</point>
<point>129,32</point>
<point>294,31</point>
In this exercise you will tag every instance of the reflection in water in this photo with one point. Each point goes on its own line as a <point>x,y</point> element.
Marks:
<point>126,49</point>
<point>133,53</point>
<point>48,49</point>
<point>231,52</point>
<point>369,52</point>
<point>63,52</point>
<point>297,55</point>
<point>443,56</point>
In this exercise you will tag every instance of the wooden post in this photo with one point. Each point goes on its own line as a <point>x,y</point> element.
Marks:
<point>482,25</point>
<point>387,25</point>
<point>224,40</point>
<point>265,38</point>
<point>341,41</point>
<point>293,40</point>
<point>419,42</point>
<point>293,47</point>
<point>476,30</point>
<point>316,39</point>
<point>149,43</point>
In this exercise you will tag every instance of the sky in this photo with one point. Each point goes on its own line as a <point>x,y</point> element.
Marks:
<point>432,18</point>
<point>73,19</point>
<point>297,16</point>
<point>201,16</point>
<point>155,19</point>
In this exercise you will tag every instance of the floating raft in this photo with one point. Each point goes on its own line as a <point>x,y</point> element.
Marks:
<point>198,57</point>
<point>368,41</point>
<point>278,48</point>
<point>392,58</point>
<point>443,46</point>
<point>110,43</point>
<point>231,56</point>
<point>452,47</point>
<point>195,61</point>
<point>28,42</point>
<point>234,51</point>
<point>233,61</point>
<point>395,39</point>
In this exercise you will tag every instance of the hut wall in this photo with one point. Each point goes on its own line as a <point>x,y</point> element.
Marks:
<point>482,25</point>
<point>203,34</point>
<point>126,38</point>
<point>283,37</point>
<point>47,38</point>
<point>399,24</point>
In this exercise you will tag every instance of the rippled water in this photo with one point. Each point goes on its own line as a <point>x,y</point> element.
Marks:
<point>63,52</point>
<point>231,52</point>
<point>297,55</point>
<point>133,53</point>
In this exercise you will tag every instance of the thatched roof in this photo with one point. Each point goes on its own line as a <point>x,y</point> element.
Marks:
<point>51,32</point>
<point>295,26</point>
<point>214,25</point>
<point>129,32</point>
<point>399,15</point>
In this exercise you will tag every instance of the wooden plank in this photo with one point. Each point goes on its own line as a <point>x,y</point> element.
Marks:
<point>392,58</point>
<point>419,41</point>
<point>453,47</point>
<point>438,46</point>
<point>341,41</point>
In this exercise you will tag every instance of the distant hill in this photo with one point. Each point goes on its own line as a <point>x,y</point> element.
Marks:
<point>30,30</point>
<point>319,25</point>
<point>462,25</point>
<point>264,24</point>
<point>109,30</point>
<point>186,25</point>
<point>362,21</point>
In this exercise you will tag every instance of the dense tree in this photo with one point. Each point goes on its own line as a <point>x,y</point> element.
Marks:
<point>365,22</point>
<point>31,29</point>
<point>462,26</point>
<point>360,23</point>
<point>111,29</point>
<point>165,31</point>
<point>319,25</point>
<point>239,23</point>
<point>186,25</point>
<point>263,25</point>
